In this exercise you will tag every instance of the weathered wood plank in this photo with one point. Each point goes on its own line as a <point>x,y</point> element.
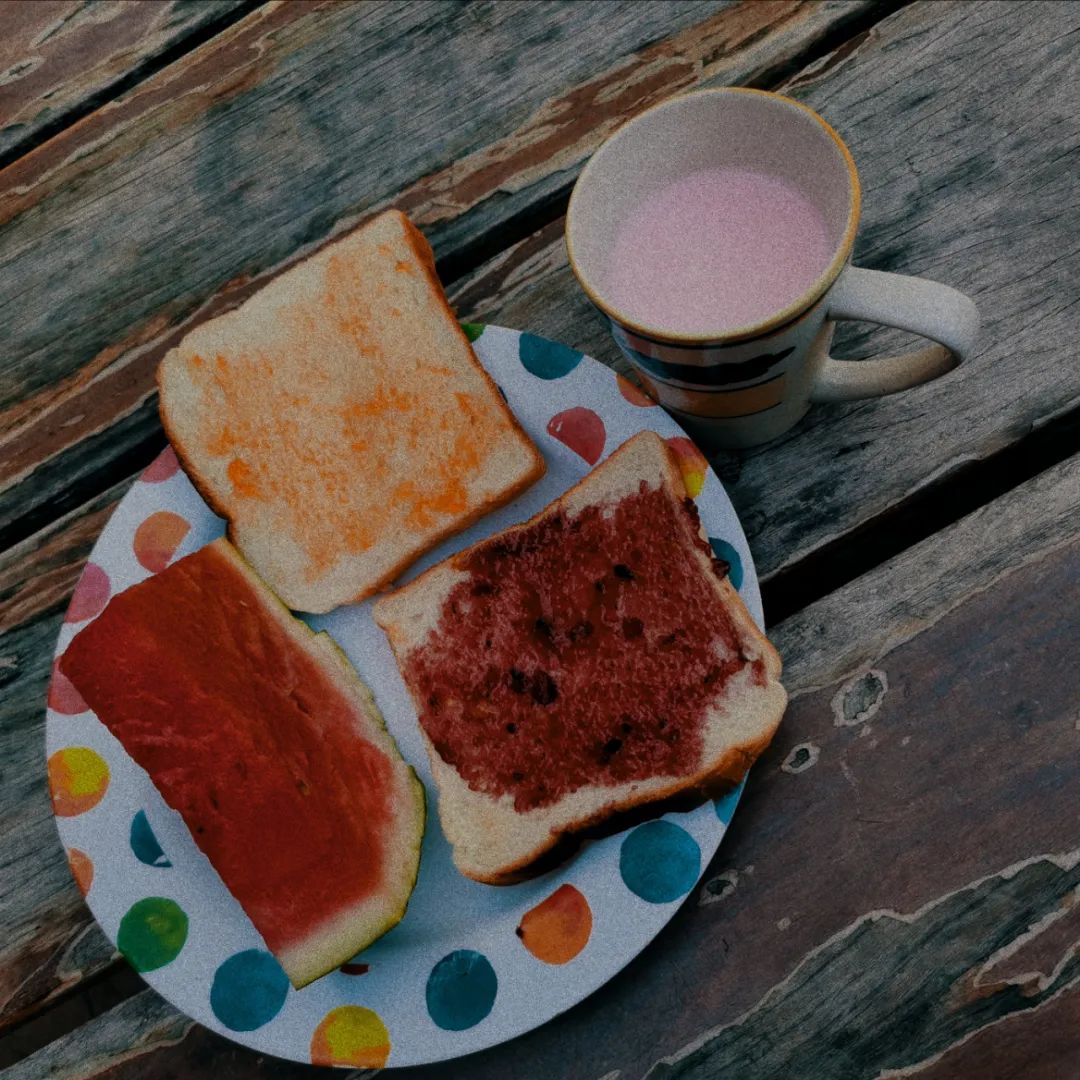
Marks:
<point>181,198</point>
<point>901,878</point>
<point>920,100</point>
<point>59,57</point>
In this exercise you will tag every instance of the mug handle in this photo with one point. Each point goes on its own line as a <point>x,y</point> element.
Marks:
<point>908,303</point>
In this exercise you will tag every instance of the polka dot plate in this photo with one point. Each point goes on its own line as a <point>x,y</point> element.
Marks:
<point>470,965</point>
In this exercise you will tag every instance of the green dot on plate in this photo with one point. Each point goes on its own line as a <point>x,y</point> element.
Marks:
<point>461,990</point>
<point>659,861</point>
<point>472,330</point>
<point>152,933</point>
<point>248,990</point>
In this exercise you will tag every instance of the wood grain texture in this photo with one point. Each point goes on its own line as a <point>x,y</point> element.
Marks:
<point>901,878</point>
<point>178,200</point>
<point>59,56</point>
<point>921,98</point>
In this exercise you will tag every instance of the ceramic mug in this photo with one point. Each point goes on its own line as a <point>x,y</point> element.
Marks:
<point>744,386</point>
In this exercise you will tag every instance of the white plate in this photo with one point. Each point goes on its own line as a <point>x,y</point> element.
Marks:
<point>453,977</point>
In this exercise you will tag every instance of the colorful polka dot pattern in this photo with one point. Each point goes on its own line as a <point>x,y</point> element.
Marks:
<point>650,868</point>
<point>659,861</point>
<point>90,596</point>
<point>557,929</point>
<point>633,393</point>
<point>63,697</point>
<point>157,539</point>
<point>82,869</point>
<point>152,933</point>
<point>692,464</point>
<point>78,780</point>
<point>161,468</point>
<point>144,844</point>
<point>351,1035</point>
<point>726,553</point>
<point>581,430</point>
<point>725,805</point>
<point>249,990</point>
<point>461,990</point>
<point>546,359</point>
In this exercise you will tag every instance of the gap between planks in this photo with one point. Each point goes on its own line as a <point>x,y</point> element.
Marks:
<point>129,80</point>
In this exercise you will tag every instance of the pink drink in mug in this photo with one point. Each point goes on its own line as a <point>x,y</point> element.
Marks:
<point>717,247</point>
<point>715,232</point>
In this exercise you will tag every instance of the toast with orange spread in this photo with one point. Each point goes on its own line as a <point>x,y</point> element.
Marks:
<point>340,420</point>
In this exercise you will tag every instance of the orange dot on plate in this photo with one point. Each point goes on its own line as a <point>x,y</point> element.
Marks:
<point>82,869</point>
<point>157,539</point>
<point>63,697</point>
<point>90,596</point>
<point>692,464</point>
<point>78,780</point>
<point>633,393</point>
<point>350,1035</point>
<point>161,468</point>
<point>558,928</point>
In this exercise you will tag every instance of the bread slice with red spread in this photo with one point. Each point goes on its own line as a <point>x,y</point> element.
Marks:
<point>592,661</point>
<point>260,734</point>
<point>340,420</point>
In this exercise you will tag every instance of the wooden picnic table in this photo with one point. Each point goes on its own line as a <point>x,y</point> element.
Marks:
<point>897,895</point>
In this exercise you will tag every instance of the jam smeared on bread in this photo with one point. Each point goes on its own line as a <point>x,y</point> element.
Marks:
<point>591,661</point>
<point>261,736</point>
<point>578,650</point>
<point>340,421</point>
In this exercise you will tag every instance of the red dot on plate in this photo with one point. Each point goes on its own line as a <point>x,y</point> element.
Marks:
<point>90,596</point>
<point>161,468</point>
<point>63,697</point>
<point>157,539</point>
<point>633,393</point>
<point>581,430</point>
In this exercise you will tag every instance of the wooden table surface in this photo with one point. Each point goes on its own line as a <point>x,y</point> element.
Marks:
<point>897,895</point>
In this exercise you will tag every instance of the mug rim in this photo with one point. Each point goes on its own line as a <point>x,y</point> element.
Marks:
<point>801,304</point>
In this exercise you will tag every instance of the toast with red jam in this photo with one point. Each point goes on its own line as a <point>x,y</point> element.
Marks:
<point>592,662</point>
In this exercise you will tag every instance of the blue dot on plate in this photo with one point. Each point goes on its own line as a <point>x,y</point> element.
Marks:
<point>725,806</point>
<point>659,862</point>
<point>249,990</point>
<point>145,844</point>
<point>546,359</point>
<point>723,550</point>
<point>461,990</point>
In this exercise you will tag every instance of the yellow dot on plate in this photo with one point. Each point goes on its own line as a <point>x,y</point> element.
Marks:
<point>78,780</point>
<point>692,464</point>
<point>350,1035</point>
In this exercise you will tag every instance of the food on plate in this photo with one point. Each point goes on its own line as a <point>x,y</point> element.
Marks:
<point>259,733</point>
<point>340,421</point>
<point>591,661</point>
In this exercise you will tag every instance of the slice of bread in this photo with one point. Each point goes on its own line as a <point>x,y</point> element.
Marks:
<point>340,421</point>
<point>260,734</point>
<point>591,662</point>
